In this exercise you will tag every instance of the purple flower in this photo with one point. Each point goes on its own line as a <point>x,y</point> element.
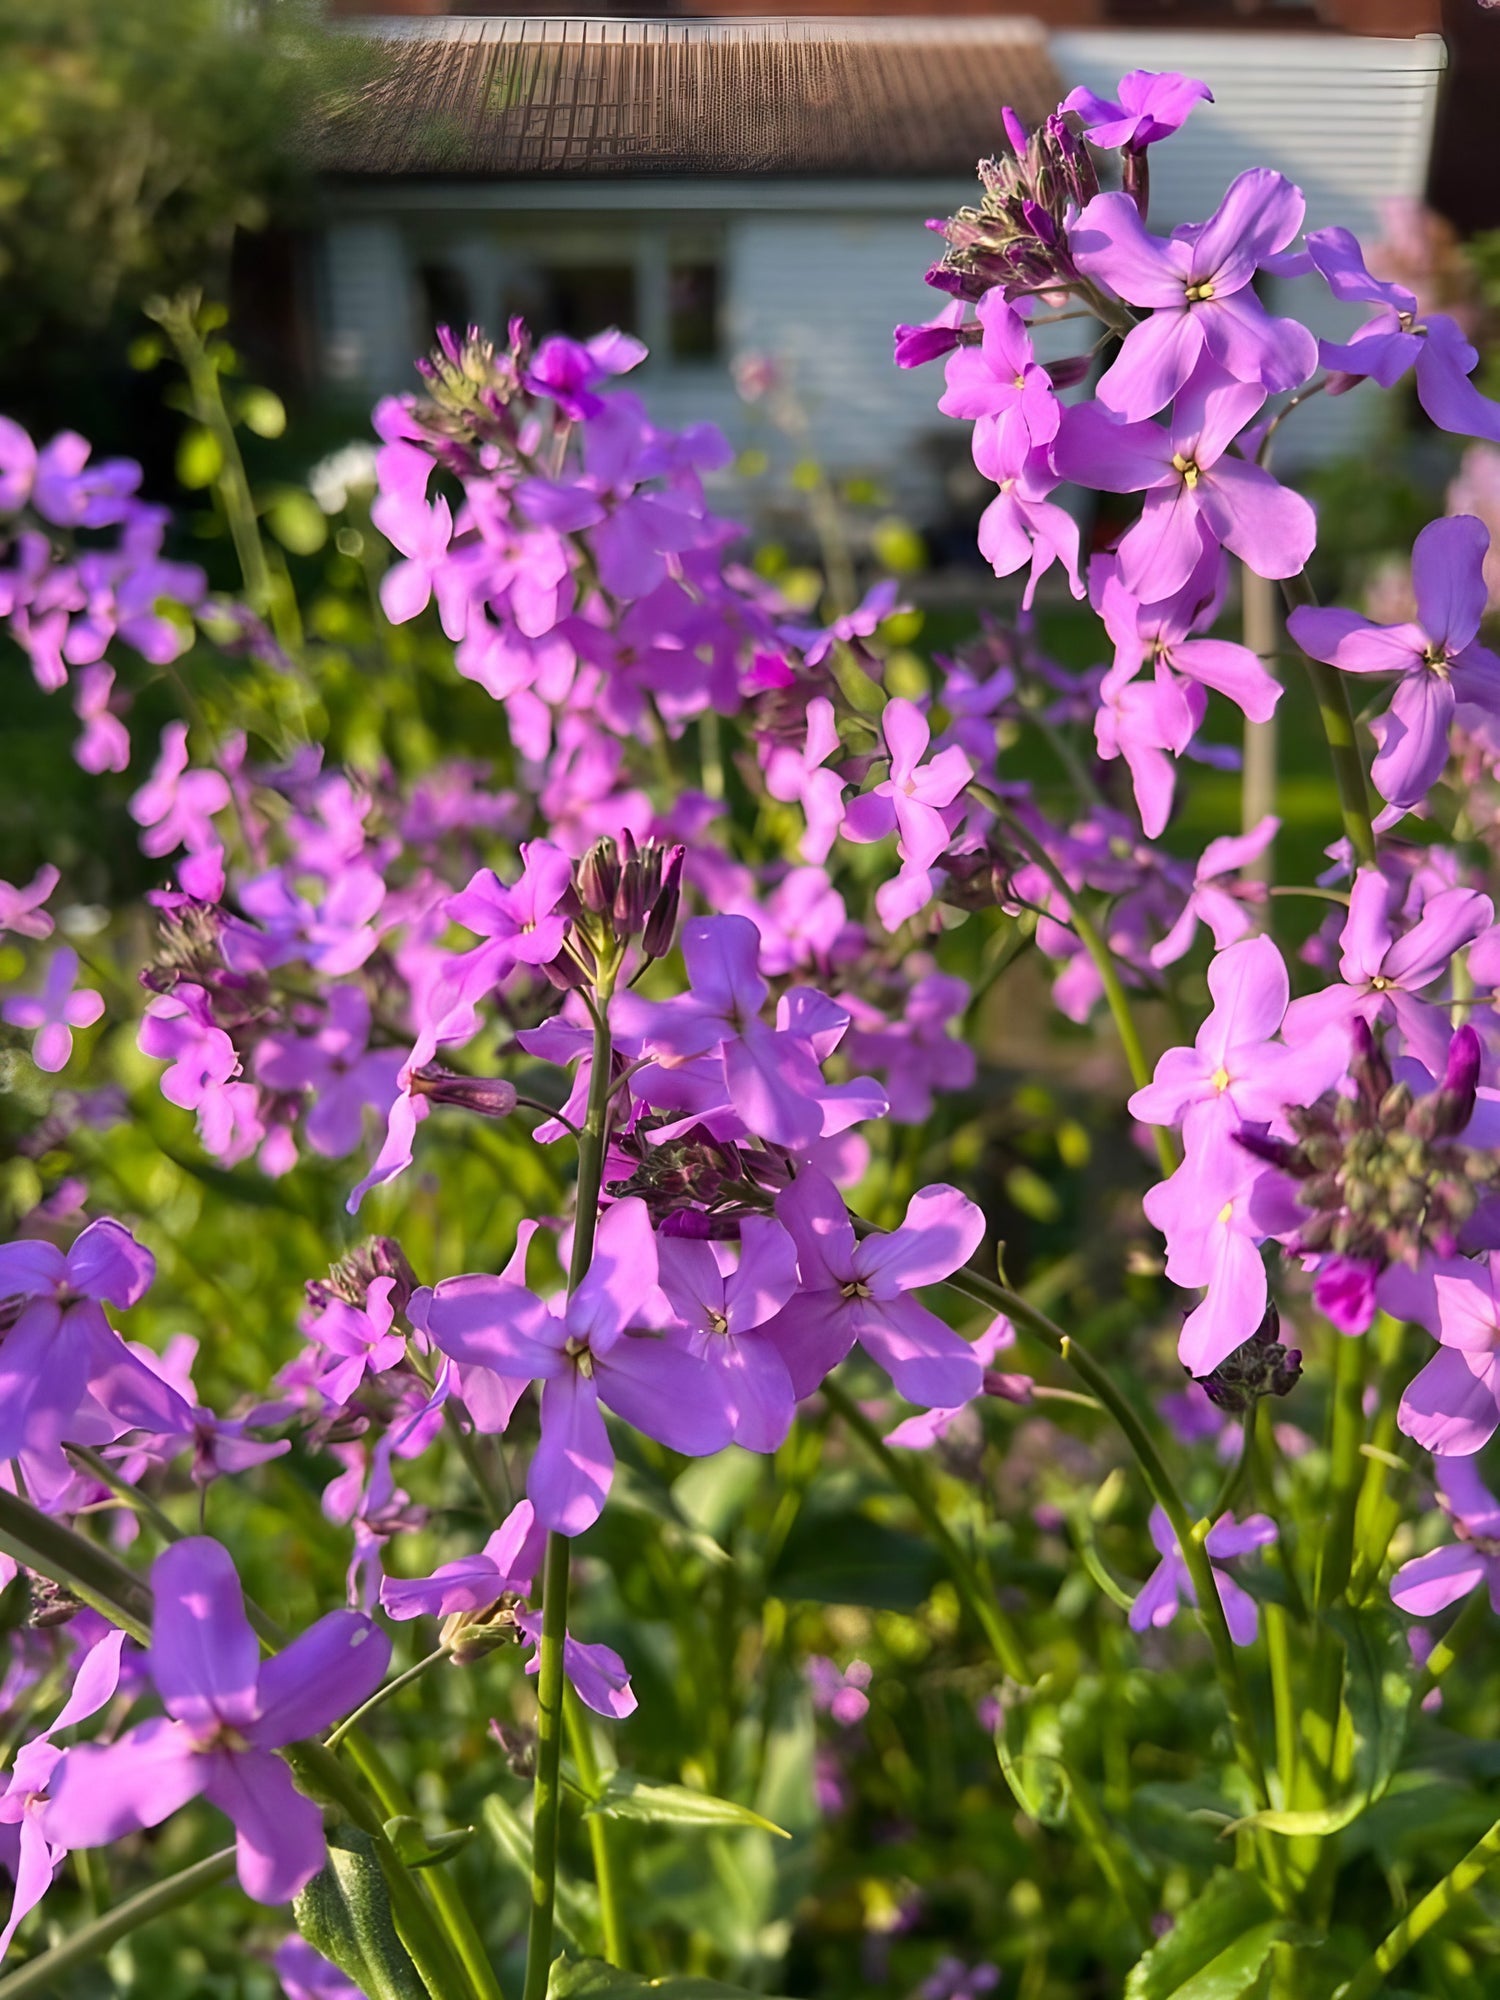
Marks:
<point>916,803</point>
<point>1453,1406</point>
<point>1235,1073</point>
<point>1196,495</point>
<point>21,909</point>
<point>105,742</point>
<point>860,1290</point>
<point>64,1371</point>
<point>1395,338</point>
<point>839,1692</point>
<point>177,805</point>
<point>567,370</point>
<point>1148,106</point>
<point>342,1075</point>
<point>816,642</point>
<point>71,493</point>
<point>1218,897</point>
<point>422,534</point>
<point>916,345</point>
<point>522,924</point>
<point>724,1303</point>
<point>33,1858</point>
<point>55,1012</point>
<point>1384,972</point>
<point>1199,282</point>
<point>1160,1596</point>
<point>922,1431</point>
<point>361,1338</point>
<point>1001,383</point>
<point>226,1714</point>
<point>1429,1584</point>
<point>1021,526</point>
<point>475,1589</point>
<point>597,1345</point>
<point>1440,664</point>
<point>802,777</point>
<point>306,1974</point>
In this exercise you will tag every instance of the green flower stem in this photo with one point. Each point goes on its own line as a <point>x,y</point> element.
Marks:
<point>1097,1380</point>
<point>546,1797</point>
<point>972,1588</point>
<point>1088,936</point>
<point>606,1875</point>
<point>1331,692</point>
<point>383,1695</point>
<point>178,320</point>
<point>42,1974</point>
<point>93,1575</point>
<point>1423,1917</point>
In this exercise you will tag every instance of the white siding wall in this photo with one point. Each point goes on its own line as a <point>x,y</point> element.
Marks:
<point>817,274</point>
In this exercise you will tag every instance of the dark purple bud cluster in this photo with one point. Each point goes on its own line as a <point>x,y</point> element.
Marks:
<point>699,1185</point>
<point>351,1277</point>
<point>1017,235</point>
<point>621,893</point>
<point>1261,1367</point>
<point>1384,1174</point>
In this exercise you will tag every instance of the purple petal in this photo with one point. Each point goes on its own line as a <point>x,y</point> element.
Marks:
<point>324,1673</point>
<point>666,1392</point>
<point>34,1869</point>
<point>812,1333</point>
<point>621,1277</point>
<point>940,1231</point>
<point>765,1277</point>
<point>106,1262</point>
<point>1445,361</point>
<point>1154,361</point>
<point>1250,993</point>
<point>1269,527</point>
<point>1453,1406</point>
<point>1110,242</point>
<point>574,1462</point>
<point>926,1360</point>
<point>1096,450</point>
<point>723,956</point>
<point>100,1792</point>
<point>1447,573</point>
<point>1413,738</point>
<point>280,1845</point>
<point>599,1676</point>
<point>204,1658</point>
<point>1431,1583</point>
<point>1241,1614</point>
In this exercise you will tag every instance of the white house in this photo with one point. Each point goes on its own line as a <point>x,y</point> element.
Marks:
<point>758,187</point>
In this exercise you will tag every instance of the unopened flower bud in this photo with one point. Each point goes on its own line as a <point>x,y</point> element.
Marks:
<point>1009,1388</point>
<point>470,1635</point>
<point>490,1096</point>
<point>661,923</point>
<point>52,1604</point>
<point>597,878</point>
<point>517,1746</point>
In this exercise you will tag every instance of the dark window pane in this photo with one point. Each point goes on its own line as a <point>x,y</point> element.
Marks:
<point>445,298</point>
<point>584,299</point>
<point>693,311</point>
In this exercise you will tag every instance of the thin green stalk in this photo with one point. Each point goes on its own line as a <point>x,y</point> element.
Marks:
<point>383,1695</point>
<point>1346,1466</point>
<point>1116,998</point>
<point>1235,1478</point>
<point>977,1597</point>
<point>42,1975</point>
<point>606,1875</point>
<point>1258,775</point>
<point>1337,716</point>
<point>1423,1917</point>
<point>94,1576</point>
<point>547,1788</point>
<point>1025,1317</point>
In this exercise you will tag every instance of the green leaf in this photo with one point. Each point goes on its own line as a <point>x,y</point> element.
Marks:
<point>345,1913</point>
<point>592,1979</point>
<point>200,459</point>
<point>297,521</point>
<point>627,1795</point>
<point>419,1849</point>
<point>843,1557</point>
<point>1378,1688</point>
<point>1216,1948</point>
<point>1031,1764</point>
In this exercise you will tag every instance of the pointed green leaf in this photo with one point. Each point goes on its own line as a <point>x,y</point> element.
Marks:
<point>345,1913</point>
<point>1216,1948</point>
<point>592,1979</point>
<point>629,1796</point>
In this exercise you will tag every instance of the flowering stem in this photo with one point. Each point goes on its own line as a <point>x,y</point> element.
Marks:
<point>1337,716</point>
<point>1104,964</point>
<point>1258,776</point>
<point>1163,1490</point>
<point>606,1878</point>
<point>971,1587</point>
<point>41,1974</point>
<point>383,1695</point>
<point>546,1797</point>
<point>1423,1916</point>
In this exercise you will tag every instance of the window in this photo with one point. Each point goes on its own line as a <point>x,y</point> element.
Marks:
<point>584,299</point>
<point>693,288</point>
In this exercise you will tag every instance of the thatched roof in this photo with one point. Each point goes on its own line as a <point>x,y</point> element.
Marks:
<point>528,98</point>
